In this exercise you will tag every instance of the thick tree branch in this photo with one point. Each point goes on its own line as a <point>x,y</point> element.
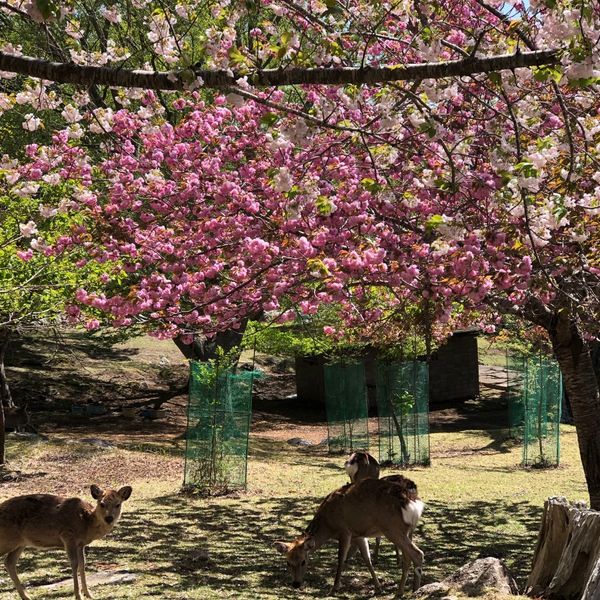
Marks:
<point>176,80</point>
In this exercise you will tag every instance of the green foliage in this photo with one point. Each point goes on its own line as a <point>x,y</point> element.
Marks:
<point>306,337</point>
<point>35,284</point>
<point>517,337</point>
<point>299,339</point>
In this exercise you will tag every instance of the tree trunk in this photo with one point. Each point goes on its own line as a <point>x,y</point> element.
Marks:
<point>566,562</point>
<point>581,384</point>
<point>2,437</point>
<point>5,395</point>
<point>204,350</point>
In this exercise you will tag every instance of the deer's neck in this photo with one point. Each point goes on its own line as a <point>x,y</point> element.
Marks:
<point>318,531</point>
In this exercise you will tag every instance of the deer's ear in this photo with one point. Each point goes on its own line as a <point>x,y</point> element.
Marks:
<point>280,547</point>
<point>97,493</point>
<point>125,492</point>
<point>309,544</point>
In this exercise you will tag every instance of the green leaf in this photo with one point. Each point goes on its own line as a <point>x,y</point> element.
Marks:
<point>269,119</point>
<point>236,56</point>
<point>526,169</point>
<point>428,127</point>
<point>324,206</point>
<point>547,72</point>
<point>434,222</point>
<point>371,185</point>
<point>46,7</point>
<point>495,77</point>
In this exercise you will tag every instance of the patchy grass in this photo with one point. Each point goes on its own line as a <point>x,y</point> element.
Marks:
<point>479,503</point>
<point>490,353</point>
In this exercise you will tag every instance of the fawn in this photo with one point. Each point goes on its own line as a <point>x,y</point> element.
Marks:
<point>48,521</point>
<point>370,507</point>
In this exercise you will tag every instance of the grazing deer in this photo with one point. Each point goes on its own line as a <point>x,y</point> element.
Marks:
<point>367,508</point>
<point>48,521</point>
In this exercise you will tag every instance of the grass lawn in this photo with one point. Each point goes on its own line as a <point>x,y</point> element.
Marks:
<point>479,503</point>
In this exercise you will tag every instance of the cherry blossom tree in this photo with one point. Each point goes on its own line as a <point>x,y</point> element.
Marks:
<point>275,156</point>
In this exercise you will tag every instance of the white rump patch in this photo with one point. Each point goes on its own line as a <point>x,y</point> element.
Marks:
<point>412,512</point>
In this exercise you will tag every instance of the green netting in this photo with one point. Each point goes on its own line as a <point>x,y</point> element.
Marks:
<point>219,412</point>
<point>346,404</point>
<point>403,409</point>
<point>515,379</point>
<point>535,399</point>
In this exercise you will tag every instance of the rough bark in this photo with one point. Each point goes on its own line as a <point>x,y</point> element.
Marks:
<point>5,395</point>
<point>204,350</point>
<point>566,562</point>
<point>176,80</point>
<point>581,385</point>
<point>2,437</point>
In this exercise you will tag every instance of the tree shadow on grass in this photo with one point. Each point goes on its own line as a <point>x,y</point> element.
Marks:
<point>170,536</point>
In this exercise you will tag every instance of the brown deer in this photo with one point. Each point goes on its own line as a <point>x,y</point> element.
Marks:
<point>48,521</point>
<point>17,418</point>
<point>361,465</point>
<point>367,508</point>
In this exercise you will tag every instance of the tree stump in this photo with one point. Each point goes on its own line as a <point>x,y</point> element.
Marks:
<point>566,562</point>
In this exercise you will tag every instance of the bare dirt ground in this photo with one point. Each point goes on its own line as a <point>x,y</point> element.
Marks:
<point>55,377</point>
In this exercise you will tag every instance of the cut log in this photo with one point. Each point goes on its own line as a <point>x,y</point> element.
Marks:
<point>566,562</point>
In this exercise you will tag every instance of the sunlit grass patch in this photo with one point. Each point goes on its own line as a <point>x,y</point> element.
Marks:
<point>479,502</point>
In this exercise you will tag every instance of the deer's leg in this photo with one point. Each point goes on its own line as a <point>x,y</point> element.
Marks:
<point>352,550</point>
<point>405,568</point>
<point>376,553</point>
<point>410,552</point>
<point>363,546</point>
<point>84,587</point>
<point>343,547</point>
<point>10,562</point>
<point>73,554</point>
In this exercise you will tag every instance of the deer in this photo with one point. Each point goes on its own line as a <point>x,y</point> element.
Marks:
<point>360,465</point>
<point>49,521</point>
<point>17,418</point>
<point>350,514</point>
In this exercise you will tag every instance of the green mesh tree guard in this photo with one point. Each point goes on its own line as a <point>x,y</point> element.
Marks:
<point>346,404</point>
<point>515,380</point>
<point>219,412</point>
<point>535,393</point>
<point>403,409</point>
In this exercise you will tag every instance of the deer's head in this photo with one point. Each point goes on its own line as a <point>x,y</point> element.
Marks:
<point>296,554</point>
<point>108,507</point>
<point>356,461</point>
